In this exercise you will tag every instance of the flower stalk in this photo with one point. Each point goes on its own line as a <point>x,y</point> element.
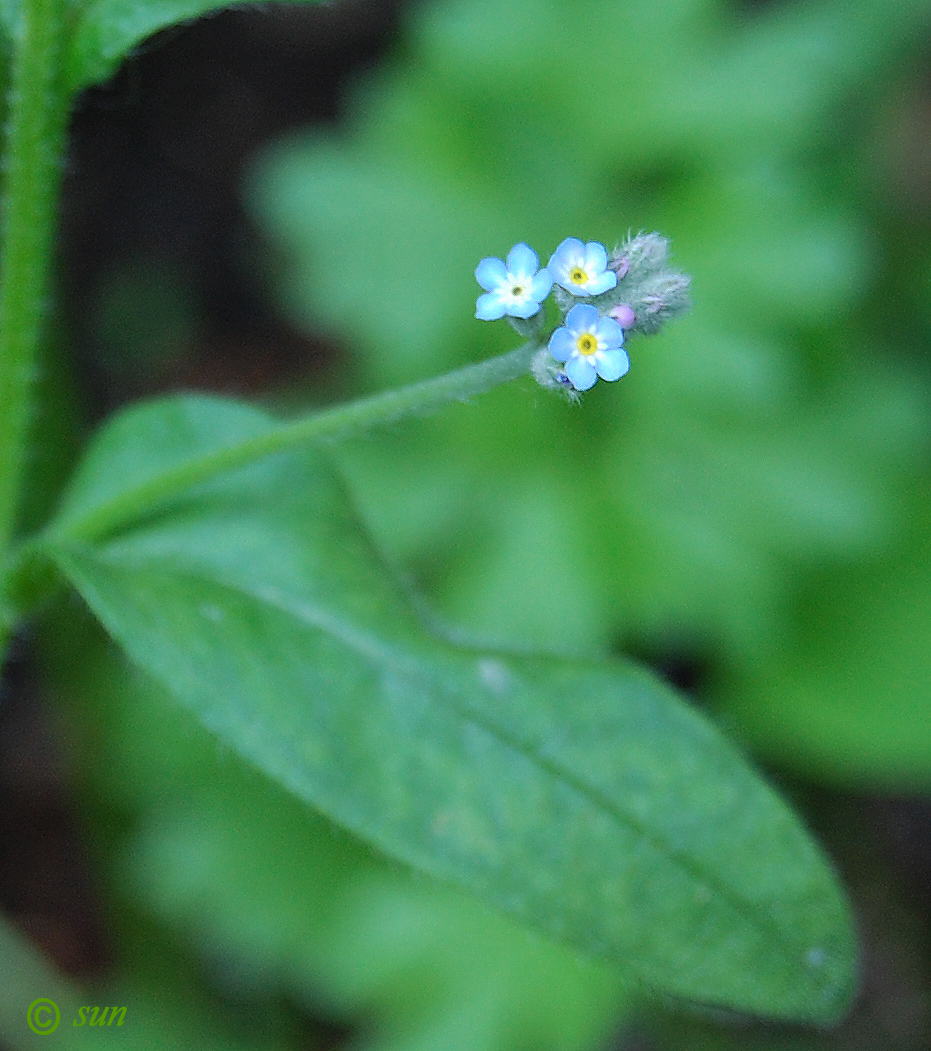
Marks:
<point>329,425</point>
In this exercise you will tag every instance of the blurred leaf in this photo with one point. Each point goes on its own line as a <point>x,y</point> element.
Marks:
<point>269,892</point>
<point>774,80</point>
<point>106,31</point>
<point>163,1013</point>
<point>848,693</point>
<point>741,445</point>
<point>675,77</point>
<point>278,905</point>
<point>431,232</point>
<point>579,796</point>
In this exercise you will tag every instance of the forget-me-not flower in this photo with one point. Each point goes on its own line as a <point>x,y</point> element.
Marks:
<point>591,346</point>
<point>582,269</point>
<point>516,287</point>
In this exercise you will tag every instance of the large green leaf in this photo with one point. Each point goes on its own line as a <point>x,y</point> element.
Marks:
<point>581,796</point>
<point>246,873</point>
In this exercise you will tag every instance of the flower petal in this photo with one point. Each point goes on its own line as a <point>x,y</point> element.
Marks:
<point>489,307</point>
<point>596,257</point>
<point>612,364</point>
<point>522,260</point>
<point>609,332</point>
<point>523,308</point>
<point>567,253</point>
<point>581,372</point>
<point>562,344</point>
<point>601,283</point>
<point>491,273</point>
<point>541,284</point>
<point>582,318</point>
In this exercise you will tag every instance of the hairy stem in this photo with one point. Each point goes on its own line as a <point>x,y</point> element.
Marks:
<point>35,138</point>
<point>415,399</point>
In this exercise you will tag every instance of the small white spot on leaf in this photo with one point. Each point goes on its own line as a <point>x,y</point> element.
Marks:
<point>494,674</point>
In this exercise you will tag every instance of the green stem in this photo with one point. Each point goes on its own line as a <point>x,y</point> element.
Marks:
<point>37,124</point>
<point>415,399</point>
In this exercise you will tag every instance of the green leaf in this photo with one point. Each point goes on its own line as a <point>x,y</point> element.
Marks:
<point>108,30</point>
<point>225,859</point>
<point>580,796</point>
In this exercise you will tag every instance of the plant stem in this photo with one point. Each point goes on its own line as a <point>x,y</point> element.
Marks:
<point>36,132</point>
<point>415,399</point>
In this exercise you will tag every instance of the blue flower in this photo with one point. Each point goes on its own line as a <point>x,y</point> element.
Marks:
<point>515,287</point>
<point>582,269</point>
<point>591,346</point>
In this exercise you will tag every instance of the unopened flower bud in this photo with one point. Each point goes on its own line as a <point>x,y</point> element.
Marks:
<point>643,253</point>
<point>619,263</point>
<point>624,315</point>
<point>661,297</point>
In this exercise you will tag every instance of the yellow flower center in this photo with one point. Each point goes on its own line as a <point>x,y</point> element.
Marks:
<point>517,290</point>
<point>578,276</point>
<point>587,343</point>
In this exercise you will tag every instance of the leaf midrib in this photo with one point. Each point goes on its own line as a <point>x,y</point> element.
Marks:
<point>380,654</point>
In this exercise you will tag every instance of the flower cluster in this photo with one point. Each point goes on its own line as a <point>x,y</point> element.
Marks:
<point>599,296</point>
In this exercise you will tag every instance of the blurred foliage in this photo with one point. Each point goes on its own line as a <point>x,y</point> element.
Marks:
<point>755,453</point>
<point>752,498</point>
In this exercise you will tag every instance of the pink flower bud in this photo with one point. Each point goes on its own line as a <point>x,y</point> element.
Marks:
<point>623,315</point>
